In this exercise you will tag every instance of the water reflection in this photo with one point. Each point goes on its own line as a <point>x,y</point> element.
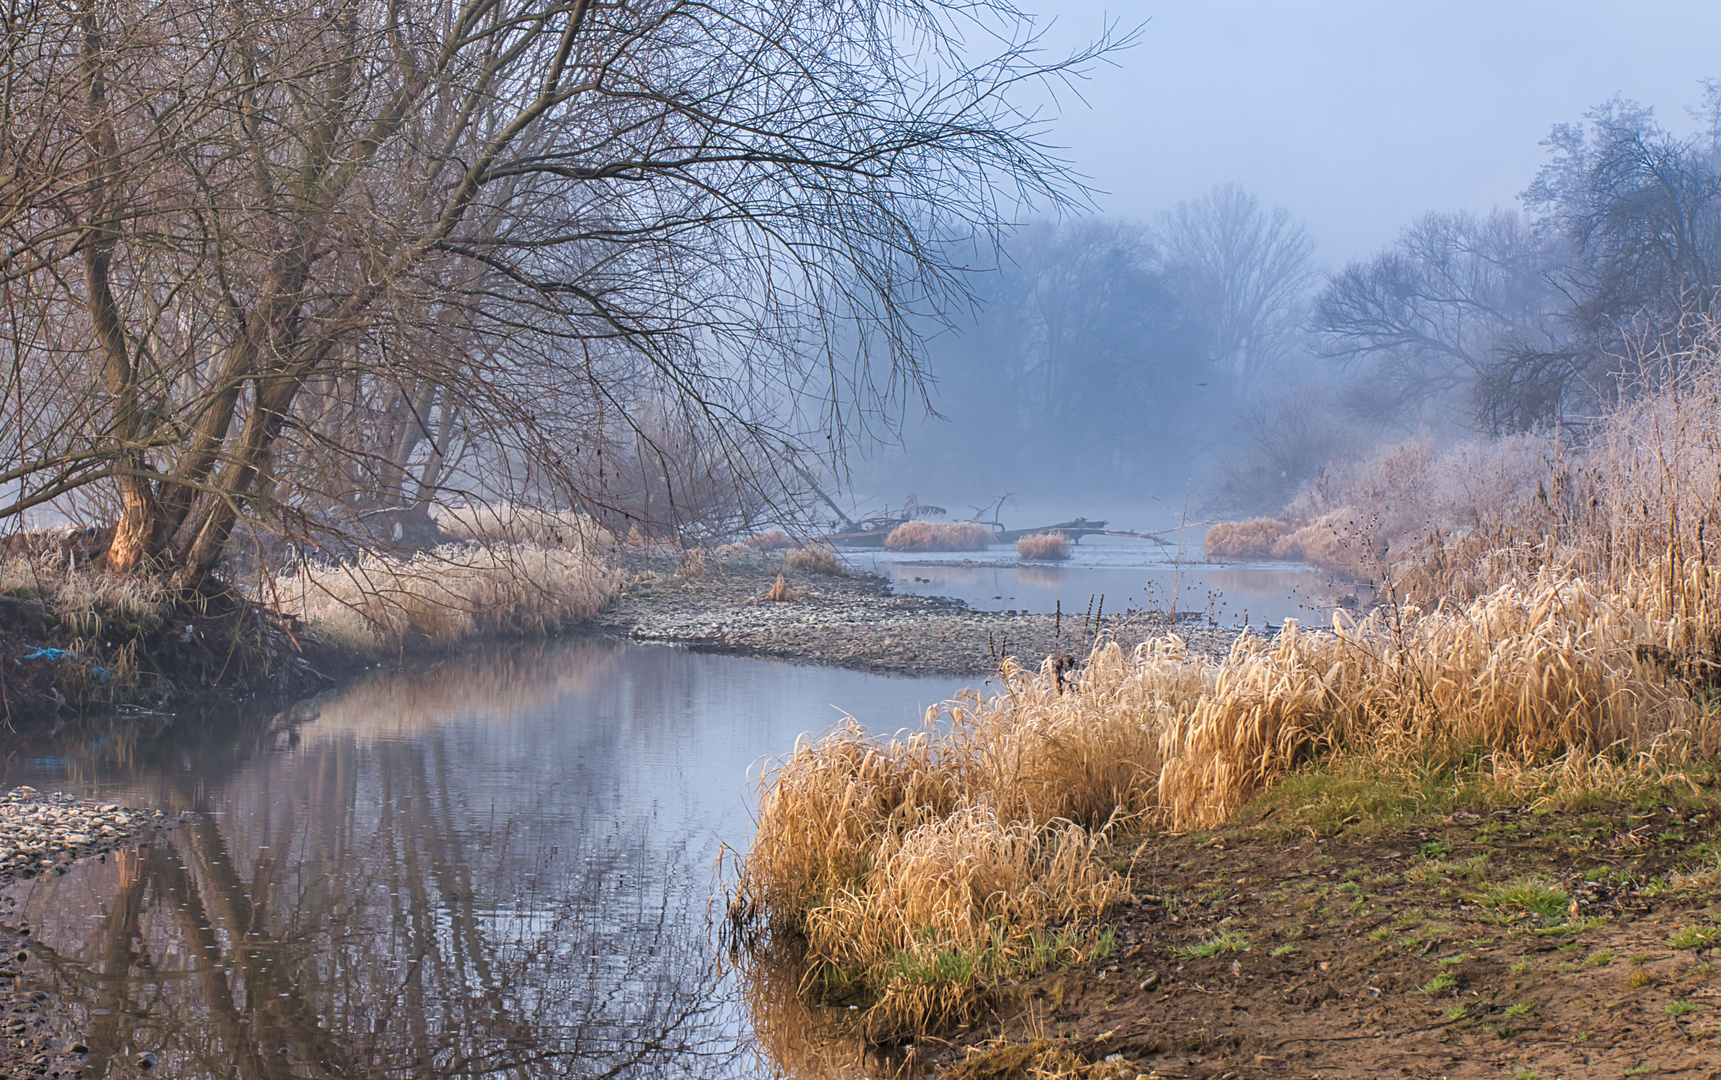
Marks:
<point>500,866</point>
<point>1127,575</point>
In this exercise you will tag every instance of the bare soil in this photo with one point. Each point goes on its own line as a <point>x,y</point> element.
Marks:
<point>1516,944</point>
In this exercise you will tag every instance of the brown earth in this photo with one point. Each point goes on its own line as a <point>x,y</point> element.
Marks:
<point>1515,944</point>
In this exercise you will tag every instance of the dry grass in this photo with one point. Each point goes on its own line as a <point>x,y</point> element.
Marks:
<point>939,536</point>
<point>815,559</point>
<point>1252,539</point>
<point>924,868</point>
<point>910,888</point>
<point>100,618</point>
<point>84,601</point>
<point>775,540</point>
<point>512,523</point>
<point>1045,547</point>
<point>446,596</point>
<point>1038,1059</point>
<point>780,592</point>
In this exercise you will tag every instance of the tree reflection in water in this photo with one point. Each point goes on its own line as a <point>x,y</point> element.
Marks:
<point>348,928</point>
<point>496,865</point>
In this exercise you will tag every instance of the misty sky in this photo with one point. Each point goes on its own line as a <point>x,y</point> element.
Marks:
<point>1357,116</point>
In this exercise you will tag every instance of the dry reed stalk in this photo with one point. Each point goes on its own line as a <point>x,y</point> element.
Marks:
<point>1252,539</point>
<point>448,595</point>
<point>513,523</point>
<point>780,592</point>
<point>1046,547</point>
<point>946,908</point>
<point>815,559</point>
<point>774,540</point>
<point>939,536</point>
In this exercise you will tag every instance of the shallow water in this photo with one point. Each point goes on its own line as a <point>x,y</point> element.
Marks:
<point>500,865</point>
<point>1127,574</point>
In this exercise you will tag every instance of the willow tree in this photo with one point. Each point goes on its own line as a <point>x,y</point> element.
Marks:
<point>251,250</point>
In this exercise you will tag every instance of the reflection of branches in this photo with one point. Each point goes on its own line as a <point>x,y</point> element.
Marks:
<point>347,918</point>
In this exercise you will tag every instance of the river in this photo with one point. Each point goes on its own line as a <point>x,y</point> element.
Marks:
<point>500,865</point>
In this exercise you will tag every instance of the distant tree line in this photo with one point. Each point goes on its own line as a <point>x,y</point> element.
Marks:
<point>1518,320</point>
<point>1104,353</point>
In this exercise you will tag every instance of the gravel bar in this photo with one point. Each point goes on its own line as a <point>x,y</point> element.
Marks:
<point>856,621</point>
<point>49,832</point>
<point>41,833</point>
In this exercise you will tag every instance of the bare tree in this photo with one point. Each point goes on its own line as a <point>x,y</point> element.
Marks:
<point>302,251</point>
<point>1244,272</point>
<point>1426,319</point>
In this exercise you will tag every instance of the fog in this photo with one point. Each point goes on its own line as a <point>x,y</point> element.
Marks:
<point>1313,232</point>
<point>1359,116</point>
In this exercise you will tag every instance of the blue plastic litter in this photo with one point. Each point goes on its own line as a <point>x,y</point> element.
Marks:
<point>44,654</point>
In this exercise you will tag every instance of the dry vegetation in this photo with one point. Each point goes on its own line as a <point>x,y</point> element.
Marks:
<point>1565,637</point>
<point>939,536</point>
<point>513,523</point>
<point>774,540</point>
<point>442,597</point>
<point>1252,539</point>
<point>814,559</point>
<point>1044,547</point>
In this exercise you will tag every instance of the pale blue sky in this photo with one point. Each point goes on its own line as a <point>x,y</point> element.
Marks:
<point>1359,115</point>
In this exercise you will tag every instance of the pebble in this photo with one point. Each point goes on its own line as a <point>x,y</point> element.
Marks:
<point>858,622</point>
<point>49,831</point>
<point>39,832</point>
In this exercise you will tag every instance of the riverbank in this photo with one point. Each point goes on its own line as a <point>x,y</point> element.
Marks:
<point>1463,939</point>
<point>856,621</point>
<point>41,834</point>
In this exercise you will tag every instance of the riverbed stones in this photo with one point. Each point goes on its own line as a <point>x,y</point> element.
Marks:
<point>858,622</point>
<point>40,832</point>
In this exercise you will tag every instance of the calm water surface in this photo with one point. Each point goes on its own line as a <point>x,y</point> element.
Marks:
<point>503,865</point>
<point>1126,573</point>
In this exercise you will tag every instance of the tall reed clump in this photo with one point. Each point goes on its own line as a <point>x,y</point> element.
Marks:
<point>1528,674</point>
<point>815,559</point>
<point>939,536</point>
<point>1252,539</point>
<point>918,871</point>
<point>445,596</point>
<point>1044,547</point>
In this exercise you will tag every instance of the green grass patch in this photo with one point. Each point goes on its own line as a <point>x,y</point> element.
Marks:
<point>1226,941</point>
<point>1695,937</point>
<point>1439,984</point>
<point>1536,896</point>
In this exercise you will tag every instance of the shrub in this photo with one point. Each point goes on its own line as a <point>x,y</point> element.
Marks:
<point>1046,547</point>
<point>815,559</point>
<point>446,596</point>
<point>775,540</point>
<point>1252,539</point>
<point>939,536</point>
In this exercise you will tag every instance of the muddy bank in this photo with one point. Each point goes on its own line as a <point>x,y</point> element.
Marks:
<point>855,621</point>
<point>1514,943</point>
